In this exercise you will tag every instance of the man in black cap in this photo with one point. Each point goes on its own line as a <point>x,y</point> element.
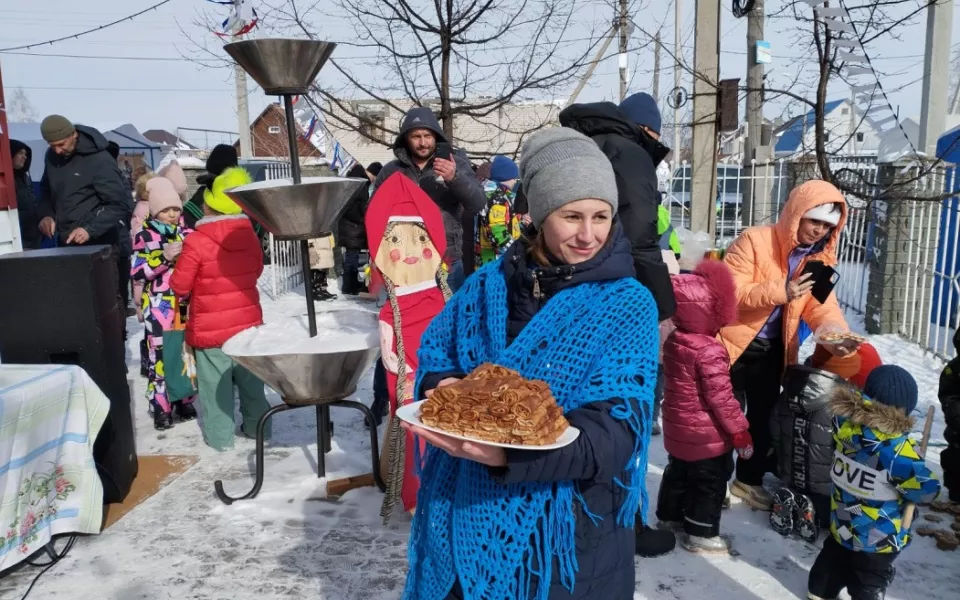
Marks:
<point>83,201</point>
<point>221,158</point>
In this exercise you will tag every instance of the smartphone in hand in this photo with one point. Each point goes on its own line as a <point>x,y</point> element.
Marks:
<point>444,151</point>
<point>824,279</point>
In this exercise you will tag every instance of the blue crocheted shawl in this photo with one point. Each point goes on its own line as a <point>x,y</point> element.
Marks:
<point>592,342</point>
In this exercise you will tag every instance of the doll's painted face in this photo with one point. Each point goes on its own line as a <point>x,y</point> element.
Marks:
<point>407,255</point>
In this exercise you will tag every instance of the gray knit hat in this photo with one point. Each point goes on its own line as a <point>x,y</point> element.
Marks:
<point>559,166</point>
<point>55,128</point>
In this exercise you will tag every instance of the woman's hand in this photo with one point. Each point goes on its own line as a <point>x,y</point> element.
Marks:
<point>443,382</point>
<point>842,348</point>
<point>492,456</point>
<point>800,286</point>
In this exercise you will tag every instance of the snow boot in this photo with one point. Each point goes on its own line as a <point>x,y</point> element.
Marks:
<point>319,283</point>
<point>805,519</point>
<point>754,495</point>
<point>813,597</point>
<point>727,498</point>
<point>651,543</point>
<point>186,412</point>
<point>656,428</point>
<point>674,526</point>
<point>704,545</point>
<point>161,420</point>
<point>784,510</point>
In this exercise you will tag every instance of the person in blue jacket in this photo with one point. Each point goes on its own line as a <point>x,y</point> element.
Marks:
<point>877,470</point>
<point>544,524</point>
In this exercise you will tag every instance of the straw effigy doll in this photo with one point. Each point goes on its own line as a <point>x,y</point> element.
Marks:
<point>407,242</point>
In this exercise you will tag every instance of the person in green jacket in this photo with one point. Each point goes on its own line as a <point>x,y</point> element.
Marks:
<point>668,236</point>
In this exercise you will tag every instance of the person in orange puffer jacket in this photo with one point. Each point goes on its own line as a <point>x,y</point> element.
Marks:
<point>218,268</point>
<point>702,420</point>
<point>773,295</point>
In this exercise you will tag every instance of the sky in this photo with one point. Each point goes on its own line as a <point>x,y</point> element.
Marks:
<point>140,72</point>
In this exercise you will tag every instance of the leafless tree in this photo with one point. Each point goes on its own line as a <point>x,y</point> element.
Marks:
<point>805,79</point>
<point>20,109</point>
<point>468,60</point>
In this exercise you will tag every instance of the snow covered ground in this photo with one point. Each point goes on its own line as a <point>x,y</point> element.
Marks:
<point>291,542</point>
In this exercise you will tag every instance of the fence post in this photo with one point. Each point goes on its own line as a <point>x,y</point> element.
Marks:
<point>902,256</point>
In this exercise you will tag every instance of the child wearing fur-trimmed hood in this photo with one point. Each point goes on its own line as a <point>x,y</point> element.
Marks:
<point>877,470</point>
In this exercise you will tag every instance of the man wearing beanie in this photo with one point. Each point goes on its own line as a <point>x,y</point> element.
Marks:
<point>449,182</point>
<point>628,135</point>
<point>83,200</point>
<point>877,470</point>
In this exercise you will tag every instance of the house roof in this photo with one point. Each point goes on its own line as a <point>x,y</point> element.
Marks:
<point>790,136</point>
<point>164,137</point>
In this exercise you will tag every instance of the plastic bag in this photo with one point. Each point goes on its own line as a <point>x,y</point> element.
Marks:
<point>692,247</point>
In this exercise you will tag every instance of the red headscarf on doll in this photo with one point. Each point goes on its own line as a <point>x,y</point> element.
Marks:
<point>400,199</point>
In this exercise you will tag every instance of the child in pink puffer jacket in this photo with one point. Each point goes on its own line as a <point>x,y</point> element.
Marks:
<point>702,421</point>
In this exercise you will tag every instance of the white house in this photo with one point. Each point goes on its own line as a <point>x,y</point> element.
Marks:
<point>846,133</point>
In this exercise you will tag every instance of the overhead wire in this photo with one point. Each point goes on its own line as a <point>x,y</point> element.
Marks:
<point>88,31</point>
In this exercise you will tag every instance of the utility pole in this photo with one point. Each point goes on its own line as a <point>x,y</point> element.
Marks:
<point>936,74</point>
<point>706,60</point>
<point>757,205</point>
<point>593,66</point>
<point>754,83</point>
<point>677,53</point>
<point>656,68</point>
<point>243,108</point>
<point>623,49</point>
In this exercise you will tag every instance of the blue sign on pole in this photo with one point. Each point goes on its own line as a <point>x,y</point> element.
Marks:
<point>763,53</point>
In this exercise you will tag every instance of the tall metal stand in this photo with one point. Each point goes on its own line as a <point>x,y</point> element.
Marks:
<point>286,67</point>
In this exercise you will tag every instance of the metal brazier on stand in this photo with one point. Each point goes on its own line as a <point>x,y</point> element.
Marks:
<point>298,209</point>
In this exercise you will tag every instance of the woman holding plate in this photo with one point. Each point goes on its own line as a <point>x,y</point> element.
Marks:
<point>784,274</point>
<point>562,306</point>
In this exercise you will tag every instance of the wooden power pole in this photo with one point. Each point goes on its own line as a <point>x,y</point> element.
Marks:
<point>623,49</point>
<point>656,68</point>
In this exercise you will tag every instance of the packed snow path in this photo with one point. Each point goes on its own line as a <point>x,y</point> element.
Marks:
<point>290,542</point>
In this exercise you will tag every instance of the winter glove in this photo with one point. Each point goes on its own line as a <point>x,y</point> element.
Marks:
<point>743,443</point>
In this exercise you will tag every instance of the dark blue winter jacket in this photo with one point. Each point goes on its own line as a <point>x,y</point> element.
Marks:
<point>604,550</point>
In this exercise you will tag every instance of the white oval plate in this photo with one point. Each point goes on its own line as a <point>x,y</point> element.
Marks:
<point>411,414</point>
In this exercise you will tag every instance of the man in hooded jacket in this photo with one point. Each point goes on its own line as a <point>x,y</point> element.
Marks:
<point>83,201</point>
<point>629,136</point>
<point>27,209</point>
<point>451,184</point>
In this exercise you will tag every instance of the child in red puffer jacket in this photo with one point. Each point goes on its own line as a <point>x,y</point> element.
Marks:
<point>702,421</point>
<point>218,268</point>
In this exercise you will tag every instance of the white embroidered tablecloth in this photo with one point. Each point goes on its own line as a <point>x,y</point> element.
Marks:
<point>49,418</point>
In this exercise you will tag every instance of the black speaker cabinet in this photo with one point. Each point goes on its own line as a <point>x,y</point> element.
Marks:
<point>60,306</point>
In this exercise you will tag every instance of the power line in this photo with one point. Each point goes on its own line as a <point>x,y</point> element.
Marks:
<point>95,29</point>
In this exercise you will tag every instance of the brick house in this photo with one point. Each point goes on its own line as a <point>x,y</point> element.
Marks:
<point>268,136</point>
<point>501,132</point>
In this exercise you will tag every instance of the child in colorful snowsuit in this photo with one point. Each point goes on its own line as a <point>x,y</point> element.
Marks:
<point>497,225</point>
<point>702,421</point>
<point>141,212</point>
<point>950,402</point>
<point>219,268</point>
<point>876,471</point>
<point>156,249</point>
